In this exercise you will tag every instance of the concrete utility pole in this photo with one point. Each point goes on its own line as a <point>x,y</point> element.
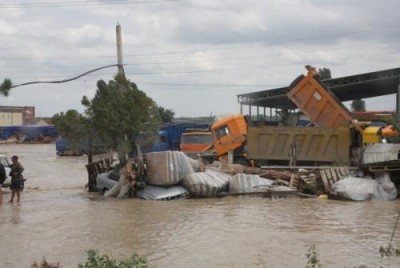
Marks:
<point>119,49</point>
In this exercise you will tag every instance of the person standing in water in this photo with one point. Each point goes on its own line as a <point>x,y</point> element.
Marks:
<point>17,180</point>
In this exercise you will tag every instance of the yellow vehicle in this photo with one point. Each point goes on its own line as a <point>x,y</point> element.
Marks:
<point>378,134</point>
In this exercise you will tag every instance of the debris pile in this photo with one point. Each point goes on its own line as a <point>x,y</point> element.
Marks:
<point>173,168</point>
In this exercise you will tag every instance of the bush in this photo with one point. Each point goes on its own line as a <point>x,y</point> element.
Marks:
<point>94,260</point>
<point>312,258</point>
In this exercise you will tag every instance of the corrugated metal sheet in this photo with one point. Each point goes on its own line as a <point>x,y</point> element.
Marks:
<point>380,152</point>
<point>206,184</point>
<point>247,183</point>
<point>169,167</point>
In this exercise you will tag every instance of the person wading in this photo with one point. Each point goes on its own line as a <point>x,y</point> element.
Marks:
<point>17,180</point>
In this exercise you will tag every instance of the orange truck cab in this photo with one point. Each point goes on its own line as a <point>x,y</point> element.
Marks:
<point>196,141</point>
<point>229,135</point>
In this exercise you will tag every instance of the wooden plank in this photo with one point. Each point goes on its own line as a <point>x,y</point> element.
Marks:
<point>325,181</point>
<point>383,168</point>
<point>329,177</point>
<point>342,172</point>
<point>266,193</point>
<point>334,176</point>
<point>346,172</point>
<point>294,181</point>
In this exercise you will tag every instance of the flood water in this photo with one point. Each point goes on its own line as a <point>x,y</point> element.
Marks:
<point>59,220</point>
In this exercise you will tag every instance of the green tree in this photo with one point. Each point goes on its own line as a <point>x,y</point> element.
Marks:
<point>70,125</point>
<point>119,112</point>
<point>167,115</point>
<point>324,73</point>
<point>5,87</point>
<point>358,105</point>
<point>78,131</point>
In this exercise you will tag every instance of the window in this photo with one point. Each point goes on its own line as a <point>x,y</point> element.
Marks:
<point>222,131</point>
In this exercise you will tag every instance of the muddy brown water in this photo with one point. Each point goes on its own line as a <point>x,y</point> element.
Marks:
<point>59,220</point>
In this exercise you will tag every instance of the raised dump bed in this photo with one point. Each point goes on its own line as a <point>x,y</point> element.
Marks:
<point>316,101</point>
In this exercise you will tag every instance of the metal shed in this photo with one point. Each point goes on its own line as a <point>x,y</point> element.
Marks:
<point>347,88</point>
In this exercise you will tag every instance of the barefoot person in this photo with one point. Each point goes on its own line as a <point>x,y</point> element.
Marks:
<point>2,179</point>
<point>17,180</point>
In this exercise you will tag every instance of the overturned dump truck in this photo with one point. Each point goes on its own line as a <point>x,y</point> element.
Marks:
<point>262,145</point>
<point>332,137</point>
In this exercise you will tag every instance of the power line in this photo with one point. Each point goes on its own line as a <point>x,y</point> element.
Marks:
<point>214,71</point>
<point>60,81</point>
<point>80,3</point>
<point>299,52</point>
<point>219,48</point>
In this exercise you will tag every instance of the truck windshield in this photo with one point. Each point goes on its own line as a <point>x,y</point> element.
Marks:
<point>197,139</point>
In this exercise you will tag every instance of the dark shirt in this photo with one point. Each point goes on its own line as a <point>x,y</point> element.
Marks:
<point>16,171</point>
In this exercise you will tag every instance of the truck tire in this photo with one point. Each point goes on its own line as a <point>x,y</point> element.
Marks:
<point>242,161</point>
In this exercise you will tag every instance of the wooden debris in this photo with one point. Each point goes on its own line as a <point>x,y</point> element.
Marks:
<point>266,193</point>
<point>331,175</point>
<point>310,179</point>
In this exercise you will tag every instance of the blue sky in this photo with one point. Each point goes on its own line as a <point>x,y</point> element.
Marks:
<point>191,56</point>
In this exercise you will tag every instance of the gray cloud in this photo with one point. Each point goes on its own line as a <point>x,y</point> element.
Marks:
<point>193,56</point>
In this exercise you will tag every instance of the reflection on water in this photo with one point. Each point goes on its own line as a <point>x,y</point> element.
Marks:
<point>59,220</point>
<point>15,215</point>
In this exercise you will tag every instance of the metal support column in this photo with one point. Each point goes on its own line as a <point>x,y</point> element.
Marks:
<point>398,99</point>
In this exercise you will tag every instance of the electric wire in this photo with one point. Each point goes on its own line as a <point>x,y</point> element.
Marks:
<point>80,3</point>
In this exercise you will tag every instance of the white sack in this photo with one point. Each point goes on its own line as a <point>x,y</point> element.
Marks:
<point>360,189</point>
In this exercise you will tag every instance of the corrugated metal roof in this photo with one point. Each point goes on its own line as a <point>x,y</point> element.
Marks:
<point>347,88</point>
<point>380,152</point>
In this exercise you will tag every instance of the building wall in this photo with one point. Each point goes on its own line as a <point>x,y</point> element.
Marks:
<point>10,119</point>
<point>16,115</point>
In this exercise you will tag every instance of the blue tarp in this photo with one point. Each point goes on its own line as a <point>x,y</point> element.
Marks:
<point>8,132</point>
<point>31,132</point>
<point>168,138</point>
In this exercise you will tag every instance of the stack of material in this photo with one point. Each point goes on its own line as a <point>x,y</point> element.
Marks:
<point>169,167</point>
<point>206,184</point>
<point>248,183</point>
